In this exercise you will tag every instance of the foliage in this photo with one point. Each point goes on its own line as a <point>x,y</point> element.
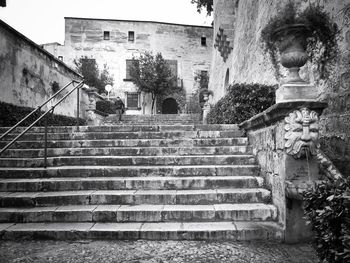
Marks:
<point>152,74</point>
<point>202,78</point>
<point>106,106</point>
<point>327,208</point>
<point>55,86</point>
<point>207,4</point>
<point>193,105</point>
<point>93,77</point>
<point>12,114</point>
<point>242,102</point>
<point>321,35</point>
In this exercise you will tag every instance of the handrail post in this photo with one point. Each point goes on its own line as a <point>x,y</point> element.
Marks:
<point>45,143</point>
<point>78,107</point>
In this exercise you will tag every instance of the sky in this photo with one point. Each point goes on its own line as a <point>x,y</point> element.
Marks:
<point>43,20</point>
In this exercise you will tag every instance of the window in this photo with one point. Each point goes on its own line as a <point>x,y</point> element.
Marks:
<point>106,35</point>
<point>173,68</point>
<point>227,80</point>
<point>131,36</point>
<point>128,66</point>
<point>60,58</point>
<point>203,41</point>
<point>132,100</point>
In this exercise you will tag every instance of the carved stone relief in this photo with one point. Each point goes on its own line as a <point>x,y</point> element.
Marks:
<point>302,133</point>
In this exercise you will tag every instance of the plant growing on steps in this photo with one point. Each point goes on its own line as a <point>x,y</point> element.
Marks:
<point>319,34</point>
<point>152,74</point>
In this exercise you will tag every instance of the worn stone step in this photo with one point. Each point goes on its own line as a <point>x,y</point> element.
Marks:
<point>128,128</point>
<point>182,142</point>
<point>134,197</point>
<point>128,183</point>
<point>130,171</point>
<point>129,160</point>
<point>126,151</point>
<point>127,135</point>
<point>237,231</point>
<point>140,213</point>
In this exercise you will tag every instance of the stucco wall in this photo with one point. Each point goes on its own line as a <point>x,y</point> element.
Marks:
<point>248,63</point>
<point>84,37</point>
<point>26,72</point>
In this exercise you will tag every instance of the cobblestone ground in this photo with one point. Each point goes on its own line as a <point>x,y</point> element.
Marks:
<point>153,252</point>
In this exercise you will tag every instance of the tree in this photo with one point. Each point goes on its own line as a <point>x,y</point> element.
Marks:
<point>207,4</point>
<point>92,76</point>
<point>152,74</point>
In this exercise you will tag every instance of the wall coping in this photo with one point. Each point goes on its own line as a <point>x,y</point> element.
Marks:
<point>278,112</point>
<point>38,47</point>
<point>137,21</point>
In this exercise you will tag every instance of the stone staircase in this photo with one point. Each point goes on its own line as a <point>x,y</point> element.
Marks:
<point>195,182</point>
<point>168,119</point>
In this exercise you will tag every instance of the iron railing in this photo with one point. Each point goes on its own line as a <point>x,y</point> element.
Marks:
<point>45,115</point>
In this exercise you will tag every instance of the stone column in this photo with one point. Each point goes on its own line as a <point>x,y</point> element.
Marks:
<point>284,138</point>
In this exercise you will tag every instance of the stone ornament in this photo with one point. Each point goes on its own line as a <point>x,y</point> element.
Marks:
<point>302,132</point>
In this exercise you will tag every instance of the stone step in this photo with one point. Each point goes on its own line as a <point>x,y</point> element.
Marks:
<point>126,151</point>
<point>140,213</point>
<point>129,128</point>
<point>127,135</point>
<point>128,183</point>
<point>130,171</point>
<point>134,197</point>
<point>129,160</point>
<point>180,142</point>
<point>237,231</point>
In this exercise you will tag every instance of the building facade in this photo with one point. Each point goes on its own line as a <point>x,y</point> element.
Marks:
<point>187,48</point>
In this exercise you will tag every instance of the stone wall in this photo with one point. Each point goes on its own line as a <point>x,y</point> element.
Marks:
<point>242,22</point>
<point>84,37</point>
<point>27,72</point>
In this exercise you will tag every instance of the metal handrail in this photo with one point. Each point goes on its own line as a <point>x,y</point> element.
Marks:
<point>37,109</point>
<point>80,84</point>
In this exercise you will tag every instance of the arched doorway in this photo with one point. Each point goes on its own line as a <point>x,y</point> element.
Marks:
<point>169,106</point>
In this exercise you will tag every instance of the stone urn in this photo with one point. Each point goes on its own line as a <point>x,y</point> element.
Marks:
<point>292,46</point>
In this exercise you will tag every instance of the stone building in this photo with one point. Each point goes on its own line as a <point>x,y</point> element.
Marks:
<point>114,42</point>
<point>238,57</point>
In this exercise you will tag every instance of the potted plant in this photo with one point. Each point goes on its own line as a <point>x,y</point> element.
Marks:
<point>299,36</point>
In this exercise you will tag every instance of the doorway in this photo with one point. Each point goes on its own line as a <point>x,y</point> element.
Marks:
<point>169,106</point>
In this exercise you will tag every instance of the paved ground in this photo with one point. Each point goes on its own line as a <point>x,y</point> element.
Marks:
<point>153,252</point>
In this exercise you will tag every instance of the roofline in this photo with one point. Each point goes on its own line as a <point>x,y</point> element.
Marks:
<point>137,21</point>
<point>38,47</point>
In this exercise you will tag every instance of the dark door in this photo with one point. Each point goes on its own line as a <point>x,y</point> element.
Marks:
<point>169,106</point>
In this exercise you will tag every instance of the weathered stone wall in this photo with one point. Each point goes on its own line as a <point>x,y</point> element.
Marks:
<point>84,37</point>
<point>248,63</point>
<point>27,71</point>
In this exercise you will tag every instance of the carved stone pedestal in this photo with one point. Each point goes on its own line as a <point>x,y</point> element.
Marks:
<point>296,92</point>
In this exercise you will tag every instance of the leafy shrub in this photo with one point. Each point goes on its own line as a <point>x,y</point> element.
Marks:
<point>242,102</point>
<point>106,106</point>
<point>12,114</point>
<point>327,208</point>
